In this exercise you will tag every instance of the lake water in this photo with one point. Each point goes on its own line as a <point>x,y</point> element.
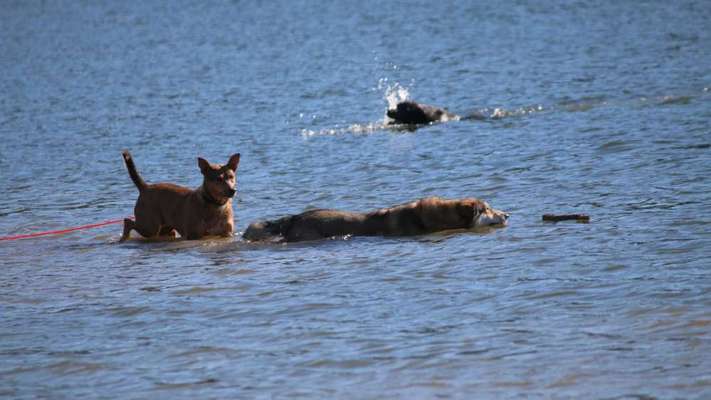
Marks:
<point>601,108</point>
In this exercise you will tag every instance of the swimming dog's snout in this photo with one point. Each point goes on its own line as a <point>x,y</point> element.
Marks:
<point>231,192</point>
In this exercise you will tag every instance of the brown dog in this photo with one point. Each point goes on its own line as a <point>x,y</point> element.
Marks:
<point>423,216</point>
<point>163,208</point>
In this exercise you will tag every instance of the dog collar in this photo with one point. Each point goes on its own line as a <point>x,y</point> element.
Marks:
<point>209,199</point>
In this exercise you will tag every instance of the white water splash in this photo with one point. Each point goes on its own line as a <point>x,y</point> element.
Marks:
<point>500,113</point>
<point>358,129</point>
<point>450,117</point>
<point>393,93</point>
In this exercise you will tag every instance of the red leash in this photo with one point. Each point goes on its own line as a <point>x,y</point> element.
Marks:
<point>61,231</point>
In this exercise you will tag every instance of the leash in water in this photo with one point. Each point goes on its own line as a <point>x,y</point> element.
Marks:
<point>61,231</point>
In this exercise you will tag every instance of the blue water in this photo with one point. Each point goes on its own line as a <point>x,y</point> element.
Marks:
<point>601,108</point>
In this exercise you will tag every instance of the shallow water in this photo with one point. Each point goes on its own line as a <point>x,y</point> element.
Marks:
<point>602,109</point>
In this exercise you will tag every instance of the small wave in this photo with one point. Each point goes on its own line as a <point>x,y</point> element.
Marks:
<point>675,100</point>
<point>195,290</point>
<point>220,351</point>
<point>518,112</point>
<point>182,385</point>
<point>70,367</point>
<point>128,311</point>
<point>358,129</point>
<point>487,113</point>
<point>699,146</point>
<point>654,204</point>
<point>615,146</point>
<point>583,104</point>
<point>669,100</point>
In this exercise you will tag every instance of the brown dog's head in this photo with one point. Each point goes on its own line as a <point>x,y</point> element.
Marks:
<point>219,180</point>
<point>481,214</point>
<point>443,214</point>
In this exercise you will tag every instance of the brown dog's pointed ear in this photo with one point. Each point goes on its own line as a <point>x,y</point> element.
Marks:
<point>204,165</point>
<point>233,162</point>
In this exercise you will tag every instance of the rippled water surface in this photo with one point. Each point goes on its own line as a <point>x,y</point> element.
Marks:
<point>601,108</point>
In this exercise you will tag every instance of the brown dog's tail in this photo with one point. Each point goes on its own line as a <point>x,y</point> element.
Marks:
<point>137,180</point>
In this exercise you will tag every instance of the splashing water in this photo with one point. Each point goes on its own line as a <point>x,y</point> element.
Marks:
<point>500,113</point>
<point>394,93</point>
<point>358,129</point>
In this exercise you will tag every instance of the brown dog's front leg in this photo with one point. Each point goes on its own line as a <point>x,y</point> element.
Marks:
<point>229,230</point>
<point>167,232</point>
<point>192,234</point>
<point>127,226</point>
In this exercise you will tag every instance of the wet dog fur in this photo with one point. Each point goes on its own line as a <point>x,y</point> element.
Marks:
<point>428,215</point>
<point>412,113</point>
<point>164,208</point>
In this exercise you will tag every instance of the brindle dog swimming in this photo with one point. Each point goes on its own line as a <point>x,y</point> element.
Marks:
<point>163,208</point>
<point>423,216</point>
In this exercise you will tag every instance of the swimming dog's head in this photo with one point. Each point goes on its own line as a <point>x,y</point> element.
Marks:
<point>267,230</point>
<point>409,112</point>
<point>483,214</point>
<point>442,214</point>
<point>219,182</point>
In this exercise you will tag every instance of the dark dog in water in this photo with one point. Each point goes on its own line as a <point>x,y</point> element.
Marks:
<point>412,113</point>
<point>428,215</point>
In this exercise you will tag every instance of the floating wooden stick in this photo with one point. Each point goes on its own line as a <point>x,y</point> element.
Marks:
<point>566,217</point>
